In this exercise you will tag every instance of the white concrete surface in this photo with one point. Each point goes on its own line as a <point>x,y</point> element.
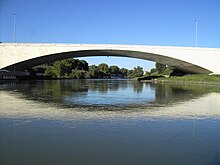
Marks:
<point>191,59</point>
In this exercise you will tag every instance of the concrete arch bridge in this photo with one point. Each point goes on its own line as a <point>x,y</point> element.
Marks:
<point>189,59</point>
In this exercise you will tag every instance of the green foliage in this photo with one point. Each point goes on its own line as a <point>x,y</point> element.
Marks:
<point>39,69</point>
<point>194,79</point>
<point>64,68</point>
<point>103,67</point>
<point>147,73</point>
<point>160,67</point>
<point>93,71</point>
<point>124,71</point>
<point>74,68</point>
<point>197,77</point>
<point>50,72</point>
<point>154,71</point>
<point>114,70</point>
<point>83,65</point>
<point>78,74</point>
<point>136,72</point>
<point>129,72</point>
<point>168,70</point>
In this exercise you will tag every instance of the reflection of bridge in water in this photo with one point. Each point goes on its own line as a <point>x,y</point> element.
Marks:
<point>189,59</point>
<point>73,90</point>
<point>21,104</point>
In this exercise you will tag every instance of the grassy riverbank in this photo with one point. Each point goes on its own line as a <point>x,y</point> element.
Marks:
<point>191,79</point>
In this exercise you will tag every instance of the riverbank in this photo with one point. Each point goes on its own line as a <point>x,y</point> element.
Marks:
<point>188,79</point>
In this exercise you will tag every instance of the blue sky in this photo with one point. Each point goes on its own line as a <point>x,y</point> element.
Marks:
<point>139,22</point>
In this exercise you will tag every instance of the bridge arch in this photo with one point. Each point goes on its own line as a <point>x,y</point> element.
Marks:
<point>181,65</point>
<point>193,60</point>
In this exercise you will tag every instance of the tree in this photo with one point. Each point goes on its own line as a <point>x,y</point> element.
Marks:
<point>153,72</point>
<point>129,72</point>
<point>160,67</point>
<point>84,65</point>
<point>50,72</point>
<point>79,64</point>
<point>93,71</point>
<point>64,68</point>
<point>103,67</point>
<point>114,70</point>
<point>136,72</point>
<point>124,71</point>
<point>168,70</point>
<point>78,74</point>
<point>147,73</point>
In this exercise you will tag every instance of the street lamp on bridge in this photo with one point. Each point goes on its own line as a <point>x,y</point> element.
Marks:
<point>14,33</point>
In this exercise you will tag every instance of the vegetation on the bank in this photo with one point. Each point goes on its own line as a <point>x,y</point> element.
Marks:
<point>161,69</point>
<point>75,68</point>
<point>193,78</point>
<point>79,69</point>
<point>163,73</point>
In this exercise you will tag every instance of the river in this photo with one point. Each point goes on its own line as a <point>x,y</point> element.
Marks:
<point>111,122</point>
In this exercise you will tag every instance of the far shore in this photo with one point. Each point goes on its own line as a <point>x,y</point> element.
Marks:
<point>197,79</point>
<point>187,79</point>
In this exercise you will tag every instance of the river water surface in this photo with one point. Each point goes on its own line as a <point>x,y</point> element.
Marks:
<point>107,122</point>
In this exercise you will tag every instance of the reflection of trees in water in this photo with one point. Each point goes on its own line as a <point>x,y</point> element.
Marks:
<point>58,90</point>
<point>61,88</point>
<point>51,90</point>
<point>138,86</point>
<point>98,86</point>
<point>162,93</point>
<point>168,93</point>
<point>104,86</point>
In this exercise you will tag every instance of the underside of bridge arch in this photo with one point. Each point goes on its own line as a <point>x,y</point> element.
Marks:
<point>179,64</point>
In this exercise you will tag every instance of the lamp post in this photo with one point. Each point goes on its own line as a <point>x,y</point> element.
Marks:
<point>14,34</point>
<point>196,34</point>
